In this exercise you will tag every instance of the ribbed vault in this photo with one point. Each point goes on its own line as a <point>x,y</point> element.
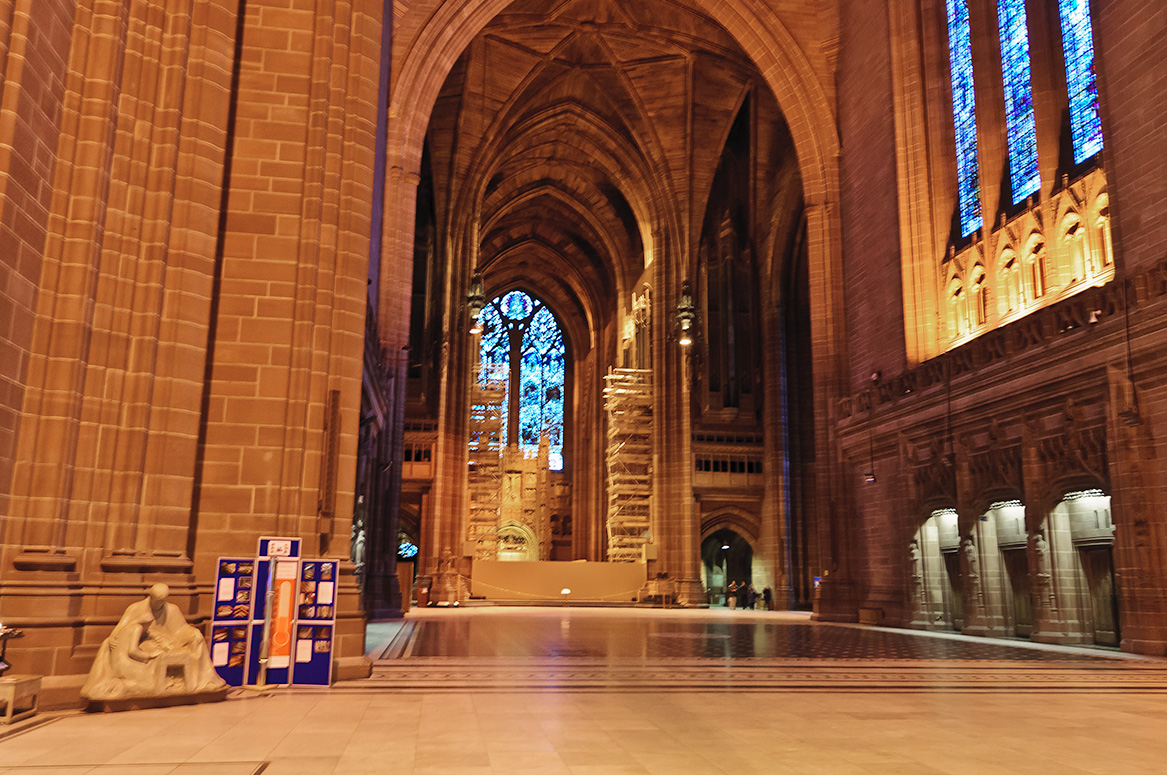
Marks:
<point>577,151</point>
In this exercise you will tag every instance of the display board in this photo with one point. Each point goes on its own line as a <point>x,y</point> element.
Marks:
<point>316,619</point>
<point>303,620</point>
<point>234,595</point>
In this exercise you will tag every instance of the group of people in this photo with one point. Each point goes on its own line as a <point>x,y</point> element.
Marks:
<point>743,595</point>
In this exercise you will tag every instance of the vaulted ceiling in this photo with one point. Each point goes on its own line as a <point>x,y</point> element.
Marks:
<point>575,142</point>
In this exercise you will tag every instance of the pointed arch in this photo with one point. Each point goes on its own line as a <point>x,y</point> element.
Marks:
<point>523,344</point>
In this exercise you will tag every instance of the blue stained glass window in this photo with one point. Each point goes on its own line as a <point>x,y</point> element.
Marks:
<point>495,352</point>
<point>1019,121</point>
<point>964,118</point>
<point>1081,82</point>
<point>523,338</point>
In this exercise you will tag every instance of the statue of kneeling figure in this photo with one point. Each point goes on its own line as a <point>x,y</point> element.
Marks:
<point>152,652</point>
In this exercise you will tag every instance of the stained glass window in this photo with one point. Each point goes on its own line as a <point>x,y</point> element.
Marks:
<point>495,363</point>
<point>1081,82</point>
<point>1019,121</point>
<point>964,117</point>
<point>522,343</point>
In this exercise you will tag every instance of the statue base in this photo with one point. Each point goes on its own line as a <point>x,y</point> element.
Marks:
<point>161,701</point>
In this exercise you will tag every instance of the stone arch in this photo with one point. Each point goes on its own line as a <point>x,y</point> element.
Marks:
<point>1071,481</point>
<point>1074,243</point>
<point>1100,218</point>
<point>521,537</point>
<point>1035,260</point>
<point>451,26</point>
<point>1007,279</point>
<point>740,521</point>
<point>933,590</point>
<point>978,292</point>
<point>956,299</point>
<point>623,162</point>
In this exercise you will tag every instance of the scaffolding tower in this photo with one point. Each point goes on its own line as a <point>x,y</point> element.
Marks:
<point>628,400</point>
<point>486,444</point>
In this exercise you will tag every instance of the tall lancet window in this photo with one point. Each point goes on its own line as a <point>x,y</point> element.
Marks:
<point>1019,120</point>
<point>1081,81</point>
<point>522,344</point>
<point>964,116</point>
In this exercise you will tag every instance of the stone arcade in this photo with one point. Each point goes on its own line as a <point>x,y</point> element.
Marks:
<point>883,283</point>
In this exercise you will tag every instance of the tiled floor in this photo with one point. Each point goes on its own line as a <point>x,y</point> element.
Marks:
<point>657,701</point>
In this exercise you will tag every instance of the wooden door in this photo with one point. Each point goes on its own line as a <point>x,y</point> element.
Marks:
<point>1099,565</point>
<point>953,601</point>
<point>1017,568</point>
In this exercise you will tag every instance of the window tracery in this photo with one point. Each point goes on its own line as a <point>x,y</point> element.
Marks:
<point>964,116</point>
<point>1038,270</point>
<point>980,300</point>
<point>1021,125</point>
<point>522,345</point>
<point>1102,223</point>
<point>1010,282</point>
<point>1081,80</point>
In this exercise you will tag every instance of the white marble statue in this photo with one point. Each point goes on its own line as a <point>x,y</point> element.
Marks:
<point>151,652</point>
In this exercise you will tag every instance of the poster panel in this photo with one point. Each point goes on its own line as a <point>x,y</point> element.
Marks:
<point>316,622</point>
<point>234,597</point>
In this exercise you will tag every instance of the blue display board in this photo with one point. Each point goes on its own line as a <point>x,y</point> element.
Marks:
<point>235,593</point>
<point>303,626</point>
<point>315,622</point>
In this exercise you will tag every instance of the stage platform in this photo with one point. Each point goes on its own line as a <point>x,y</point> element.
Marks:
<point>586,582</point>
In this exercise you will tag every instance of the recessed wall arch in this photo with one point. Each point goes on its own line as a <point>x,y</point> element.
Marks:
<point>740,521</point>
<point>1073,481</point>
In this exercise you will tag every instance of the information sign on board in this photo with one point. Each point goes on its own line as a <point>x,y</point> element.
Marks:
<point>303,616</point>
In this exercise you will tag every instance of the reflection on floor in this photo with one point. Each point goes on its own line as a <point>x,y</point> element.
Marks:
<point>603,691</point>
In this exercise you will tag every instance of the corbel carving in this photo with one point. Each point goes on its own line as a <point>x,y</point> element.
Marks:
<point>936,478</point>
<point>1078,449</point>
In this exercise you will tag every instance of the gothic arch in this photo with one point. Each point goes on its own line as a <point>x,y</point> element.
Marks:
<point>450,26</point>
<point>431,48</point>
<point>740,521</point>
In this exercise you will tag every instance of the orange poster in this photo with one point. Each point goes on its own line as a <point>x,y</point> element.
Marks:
<point>280,650</point>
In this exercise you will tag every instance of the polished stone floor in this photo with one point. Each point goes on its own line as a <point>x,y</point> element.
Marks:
<point>607,692</point>
<point>717,633</point>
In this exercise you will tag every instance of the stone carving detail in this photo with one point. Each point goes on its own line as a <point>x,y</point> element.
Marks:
<point>152,652</point>
<point>1078,449</point>
<point>996,470</point>
<point>1043,578</point>
<point>936,479</point>
<point>975,605</point>
<point>919,599</point>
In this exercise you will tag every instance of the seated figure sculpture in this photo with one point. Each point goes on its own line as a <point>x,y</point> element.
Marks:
<point>152,652</point>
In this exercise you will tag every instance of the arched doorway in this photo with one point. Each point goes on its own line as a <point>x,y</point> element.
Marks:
<point>577,186</point>
<point>935,579</point>
<point>1081,563</point>
<point>726,557</point>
